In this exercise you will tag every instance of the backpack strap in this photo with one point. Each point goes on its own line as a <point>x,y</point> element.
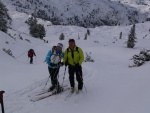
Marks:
<point>76,50</point>
<point>53,49</point>
<point>67,50</point>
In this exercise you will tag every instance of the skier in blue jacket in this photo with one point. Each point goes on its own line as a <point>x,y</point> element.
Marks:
<point>53,60</point>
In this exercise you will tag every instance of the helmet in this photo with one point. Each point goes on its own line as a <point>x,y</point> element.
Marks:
<point>60,45</point>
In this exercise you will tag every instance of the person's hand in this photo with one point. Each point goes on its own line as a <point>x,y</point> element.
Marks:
<point>60,64</point>
<point>77,65</point>
<point>66,63</point>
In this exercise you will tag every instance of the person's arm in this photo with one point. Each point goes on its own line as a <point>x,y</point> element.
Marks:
<point>34,54</point>
<point>65,56</point>
<point>61,63</point>
<point>62,55</point>
<point>48,57</point>
<point>81,56</point>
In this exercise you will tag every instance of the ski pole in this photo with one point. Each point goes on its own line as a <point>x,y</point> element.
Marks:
<point>85,87</point>
<point>82,82</point>
<point>64,76</point>
<point>35,60</point>
<point>28,60</point>
<point>46,83</point>
<point>1,100</point>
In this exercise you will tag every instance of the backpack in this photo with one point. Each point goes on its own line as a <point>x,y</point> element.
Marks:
<point>55,58</point>
<point>66,63</point>
<point>30,53</point>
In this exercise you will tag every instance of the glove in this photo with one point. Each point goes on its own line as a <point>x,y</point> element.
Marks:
<point>66,63</point>
<point>60,64</point>
<point>77,65</point>
<point>53,65</point>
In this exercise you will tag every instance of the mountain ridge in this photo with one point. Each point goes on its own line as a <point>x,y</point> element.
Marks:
<point>83,13</point>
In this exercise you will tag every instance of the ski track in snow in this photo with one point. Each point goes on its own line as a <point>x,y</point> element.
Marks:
<point>111,86</point>
<point>17,100</point>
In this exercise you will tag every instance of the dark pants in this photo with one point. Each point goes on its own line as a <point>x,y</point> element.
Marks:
<point>53,74</point>
<point>31,60</point>
<point>79,78</point>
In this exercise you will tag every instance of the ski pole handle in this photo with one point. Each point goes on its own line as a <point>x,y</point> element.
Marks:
<point>1,101</point>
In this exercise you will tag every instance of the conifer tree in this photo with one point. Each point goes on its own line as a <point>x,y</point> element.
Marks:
<point>62,36</point>
<point>131,38</point>
<point>3,17</point>
<point>41,31</point>
<point>85,38</point>
<point>88,31</point>
<point>78,37</point>
<point>120,36</point>
<point>36,30</point>
<point>31,21</point>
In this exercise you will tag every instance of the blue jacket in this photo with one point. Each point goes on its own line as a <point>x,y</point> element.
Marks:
<point>48,58</point>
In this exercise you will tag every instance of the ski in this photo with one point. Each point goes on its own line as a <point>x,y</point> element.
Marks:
<point>45,95</point>
<point>78,96</point>
<point>39,93</point>
<point>68,96</point>
<point>42,92</point>
<point>40,97</point>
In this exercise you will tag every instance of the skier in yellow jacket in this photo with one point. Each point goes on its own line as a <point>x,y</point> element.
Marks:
<point>73,57</point>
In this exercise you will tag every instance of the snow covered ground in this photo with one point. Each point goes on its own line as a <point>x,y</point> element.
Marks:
<point>112,87</point>
<point>142,5</point>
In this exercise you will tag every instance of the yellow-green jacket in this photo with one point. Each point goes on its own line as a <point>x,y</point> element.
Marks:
<point>78,56</point>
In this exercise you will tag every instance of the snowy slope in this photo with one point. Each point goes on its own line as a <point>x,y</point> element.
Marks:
<point>112,86</point>
<point>84,13</point>
<point>141,5</point>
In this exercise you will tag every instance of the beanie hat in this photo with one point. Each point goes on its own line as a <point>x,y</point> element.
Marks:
<point>71,40</point>
<point>60,45</point>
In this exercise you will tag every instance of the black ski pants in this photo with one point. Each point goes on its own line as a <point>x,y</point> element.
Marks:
<point>31,60</point>
<point>53,75</point>
<point>78,71</point>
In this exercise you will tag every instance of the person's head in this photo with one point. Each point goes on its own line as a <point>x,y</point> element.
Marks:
<point>71,43</point>
<point>59,46</point>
